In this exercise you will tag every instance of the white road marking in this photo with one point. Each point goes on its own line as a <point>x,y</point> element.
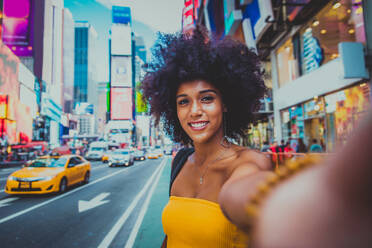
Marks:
<point>58,197</point>
<point>118,225</point>
<point>136,227</point>
<point>95,202</point>
<point>6,202</point>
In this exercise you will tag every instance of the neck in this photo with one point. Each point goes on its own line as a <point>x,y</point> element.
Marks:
<point>205,152</point>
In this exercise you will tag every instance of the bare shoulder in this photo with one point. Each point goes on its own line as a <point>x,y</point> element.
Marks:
<point>249,157</point>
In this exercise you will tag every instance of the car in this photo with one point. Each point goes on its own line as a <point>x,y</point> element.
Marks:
<point>152,154</point>
<point>121,157</point>
<point>139,155</point>
<point>168,150</point>
<point>49,174</point>
<point>159,152</point>
<point>97,150</point>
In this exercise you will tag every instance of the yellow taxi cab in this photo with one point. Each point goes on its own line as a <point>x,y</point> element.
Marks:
<point>152,155</point>
<point>49,174</point>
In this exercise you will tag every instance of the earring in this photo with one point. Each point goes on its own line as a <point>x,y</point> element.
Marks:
<point>225,140</point>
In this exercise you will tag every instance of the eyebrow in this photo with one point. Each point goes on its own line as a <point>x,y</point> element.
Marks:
<point>200,92</point>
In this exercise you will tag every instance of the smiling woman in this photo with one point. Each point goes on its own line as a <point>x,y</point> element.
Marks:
<point>205,91</point>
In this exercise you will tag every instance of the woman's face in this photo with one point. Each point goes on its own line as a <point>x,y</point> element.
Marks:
<point>199,110</point>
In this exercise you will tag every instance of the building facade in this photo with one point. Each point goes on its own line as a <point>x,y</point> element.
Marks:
<point>315,54</point>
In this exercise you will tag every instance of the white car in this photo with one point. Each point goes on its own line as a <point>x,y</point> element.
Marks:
<point>121,157</point>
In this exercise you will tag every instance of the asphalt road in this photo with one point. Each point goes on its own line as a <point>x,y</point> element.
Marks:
<point>104,213</point>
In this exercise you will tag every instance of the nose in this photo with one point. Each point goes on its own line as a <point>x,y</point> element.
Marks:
<point>196,109</point>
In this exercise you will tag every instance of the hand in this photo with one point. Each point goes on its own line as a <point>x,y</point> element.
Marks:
<point>327,205</point>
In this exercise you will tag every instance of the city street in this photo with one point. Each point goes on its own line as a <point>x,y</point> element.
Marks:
<point>119,207</point>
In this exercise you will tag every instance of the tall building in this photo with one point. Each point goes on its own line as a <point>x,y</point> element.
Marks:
<point>85,85</point>
<point>68,61</point>
<point>121,99</point>
<point>33,31</point>
<point>84,81</point>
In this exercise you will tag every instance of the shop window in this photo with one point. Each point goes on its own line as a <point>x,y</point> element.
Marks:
<point>287,64</point>
<point>344,110</point>
<point>339,21</point>
<point>315,122</point>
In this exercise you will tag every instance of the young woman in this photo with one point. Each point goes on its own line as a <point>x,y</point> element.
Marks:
<point>205,92</point>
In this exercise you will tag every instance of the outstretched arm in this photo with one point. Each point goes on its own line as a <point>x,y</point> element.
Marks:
<point>328,205</point>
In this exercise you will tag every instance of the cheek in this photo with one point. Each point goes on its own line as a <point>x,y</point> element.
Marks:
<point>181,116</point>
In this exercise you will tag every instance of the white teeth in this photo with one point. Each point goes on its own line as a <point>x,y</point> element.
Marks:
<point>198,125</point>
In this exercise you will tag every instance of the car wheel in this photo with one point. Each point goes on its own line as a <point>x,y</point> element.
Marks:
<point>63,185</point>
<point>86,177</point>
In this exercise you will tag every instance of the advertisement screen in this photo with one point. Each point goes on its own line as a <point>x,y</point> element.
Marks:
<point>121,15</point>
<point>9,83</point>
<point>17,26</point>
<point>121,71</point>
<point>121,103</point>
<point>121,40</point>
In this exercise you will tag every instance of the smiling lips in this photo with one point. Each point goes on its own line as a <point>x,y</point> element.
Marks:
<point>199,125</point>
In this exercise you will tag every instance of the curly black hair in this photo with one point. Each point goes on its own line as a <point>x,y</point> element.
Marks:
<point>227,64</point>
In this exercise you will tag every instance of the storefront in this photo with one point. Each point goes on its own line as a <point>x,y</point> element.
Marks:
<point>344,109</point>
<point>315,72</point>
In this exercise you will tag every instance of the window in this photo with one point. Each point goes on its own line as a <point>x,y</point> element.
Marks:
<point>337,22</point>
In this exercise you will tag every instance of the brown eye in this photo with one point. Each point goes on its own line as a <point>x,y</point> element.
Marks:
<point>207,99</point>
<point>183,102</point>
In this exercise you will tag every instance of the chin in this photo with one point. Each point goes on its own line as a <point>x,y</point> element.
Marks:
<point>201,139</point>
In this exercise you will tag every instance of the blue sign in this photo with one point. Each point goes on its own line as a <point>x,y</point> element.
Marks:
<point>252,11</point>
<point>312,53</point>
<point>121,15</point>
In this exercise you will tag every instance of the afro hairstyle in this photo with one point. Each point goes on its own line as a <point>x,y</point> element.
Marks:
<point>229,65</point>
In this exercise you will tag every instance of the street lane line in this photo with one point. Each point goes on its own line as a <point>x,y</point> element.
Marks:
<point>58,197</point>
<point>136,227</point>
<point>119,224</point>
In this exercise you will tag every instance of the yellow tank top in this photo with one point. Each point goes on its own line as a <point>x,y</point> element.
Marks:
<point>192,222</point>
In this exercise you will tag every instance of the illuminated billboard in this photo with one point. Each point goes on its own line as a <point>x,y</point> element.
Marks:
<point>18,26</point>
<point>257,12</point>
<point>121,15</point>
<point>121,40</point>
<point>121,71</point>
<point>121,103</point>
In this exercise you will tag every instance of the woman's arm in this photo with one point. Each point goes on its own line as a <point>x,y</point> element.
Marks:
<point>327,205</point>
<point>242,183</point>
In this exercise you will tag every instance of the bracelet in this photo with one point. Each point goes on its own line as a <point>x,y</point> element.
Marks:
<point>289,169</point>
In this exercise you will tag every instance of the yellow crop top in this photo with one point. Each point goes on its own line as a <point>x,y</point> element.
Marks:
<point>192,222</point>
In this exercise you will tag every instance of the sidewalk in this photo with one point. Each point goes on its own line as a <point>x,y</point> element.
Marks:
<point>151,232</point>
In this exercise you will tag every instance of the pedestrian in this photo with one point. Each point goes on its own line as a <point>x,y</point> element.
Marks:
<point>301,148</point>
<point>265,146</point>
<point>315,147</point>
<point>288,151</point>
<point>198,86</point>
<point>221,194</point>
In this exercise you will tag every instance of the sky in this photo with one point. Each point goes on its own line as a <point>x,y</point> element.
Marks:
<point>148,16</point>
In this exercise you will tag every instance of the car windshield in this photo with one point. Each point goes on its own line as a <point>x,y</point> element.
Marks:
<point>48,162</point>
<point>97,149</point>
<point>121,152</point>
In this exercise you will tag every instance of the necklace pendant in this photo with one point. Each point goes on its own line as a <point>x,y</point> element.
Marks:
<point>201,180</point>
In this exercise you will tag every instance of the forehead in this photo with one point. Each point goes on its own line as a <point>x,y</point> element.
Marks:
<point>194,87</point>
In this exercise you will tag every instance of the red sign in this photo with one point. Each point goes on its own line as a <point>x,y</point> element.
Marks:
<point>121,103</point>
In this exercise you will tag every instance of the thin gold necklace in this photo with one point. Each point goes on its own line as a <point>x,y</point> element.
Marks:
<point>201,179</point>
